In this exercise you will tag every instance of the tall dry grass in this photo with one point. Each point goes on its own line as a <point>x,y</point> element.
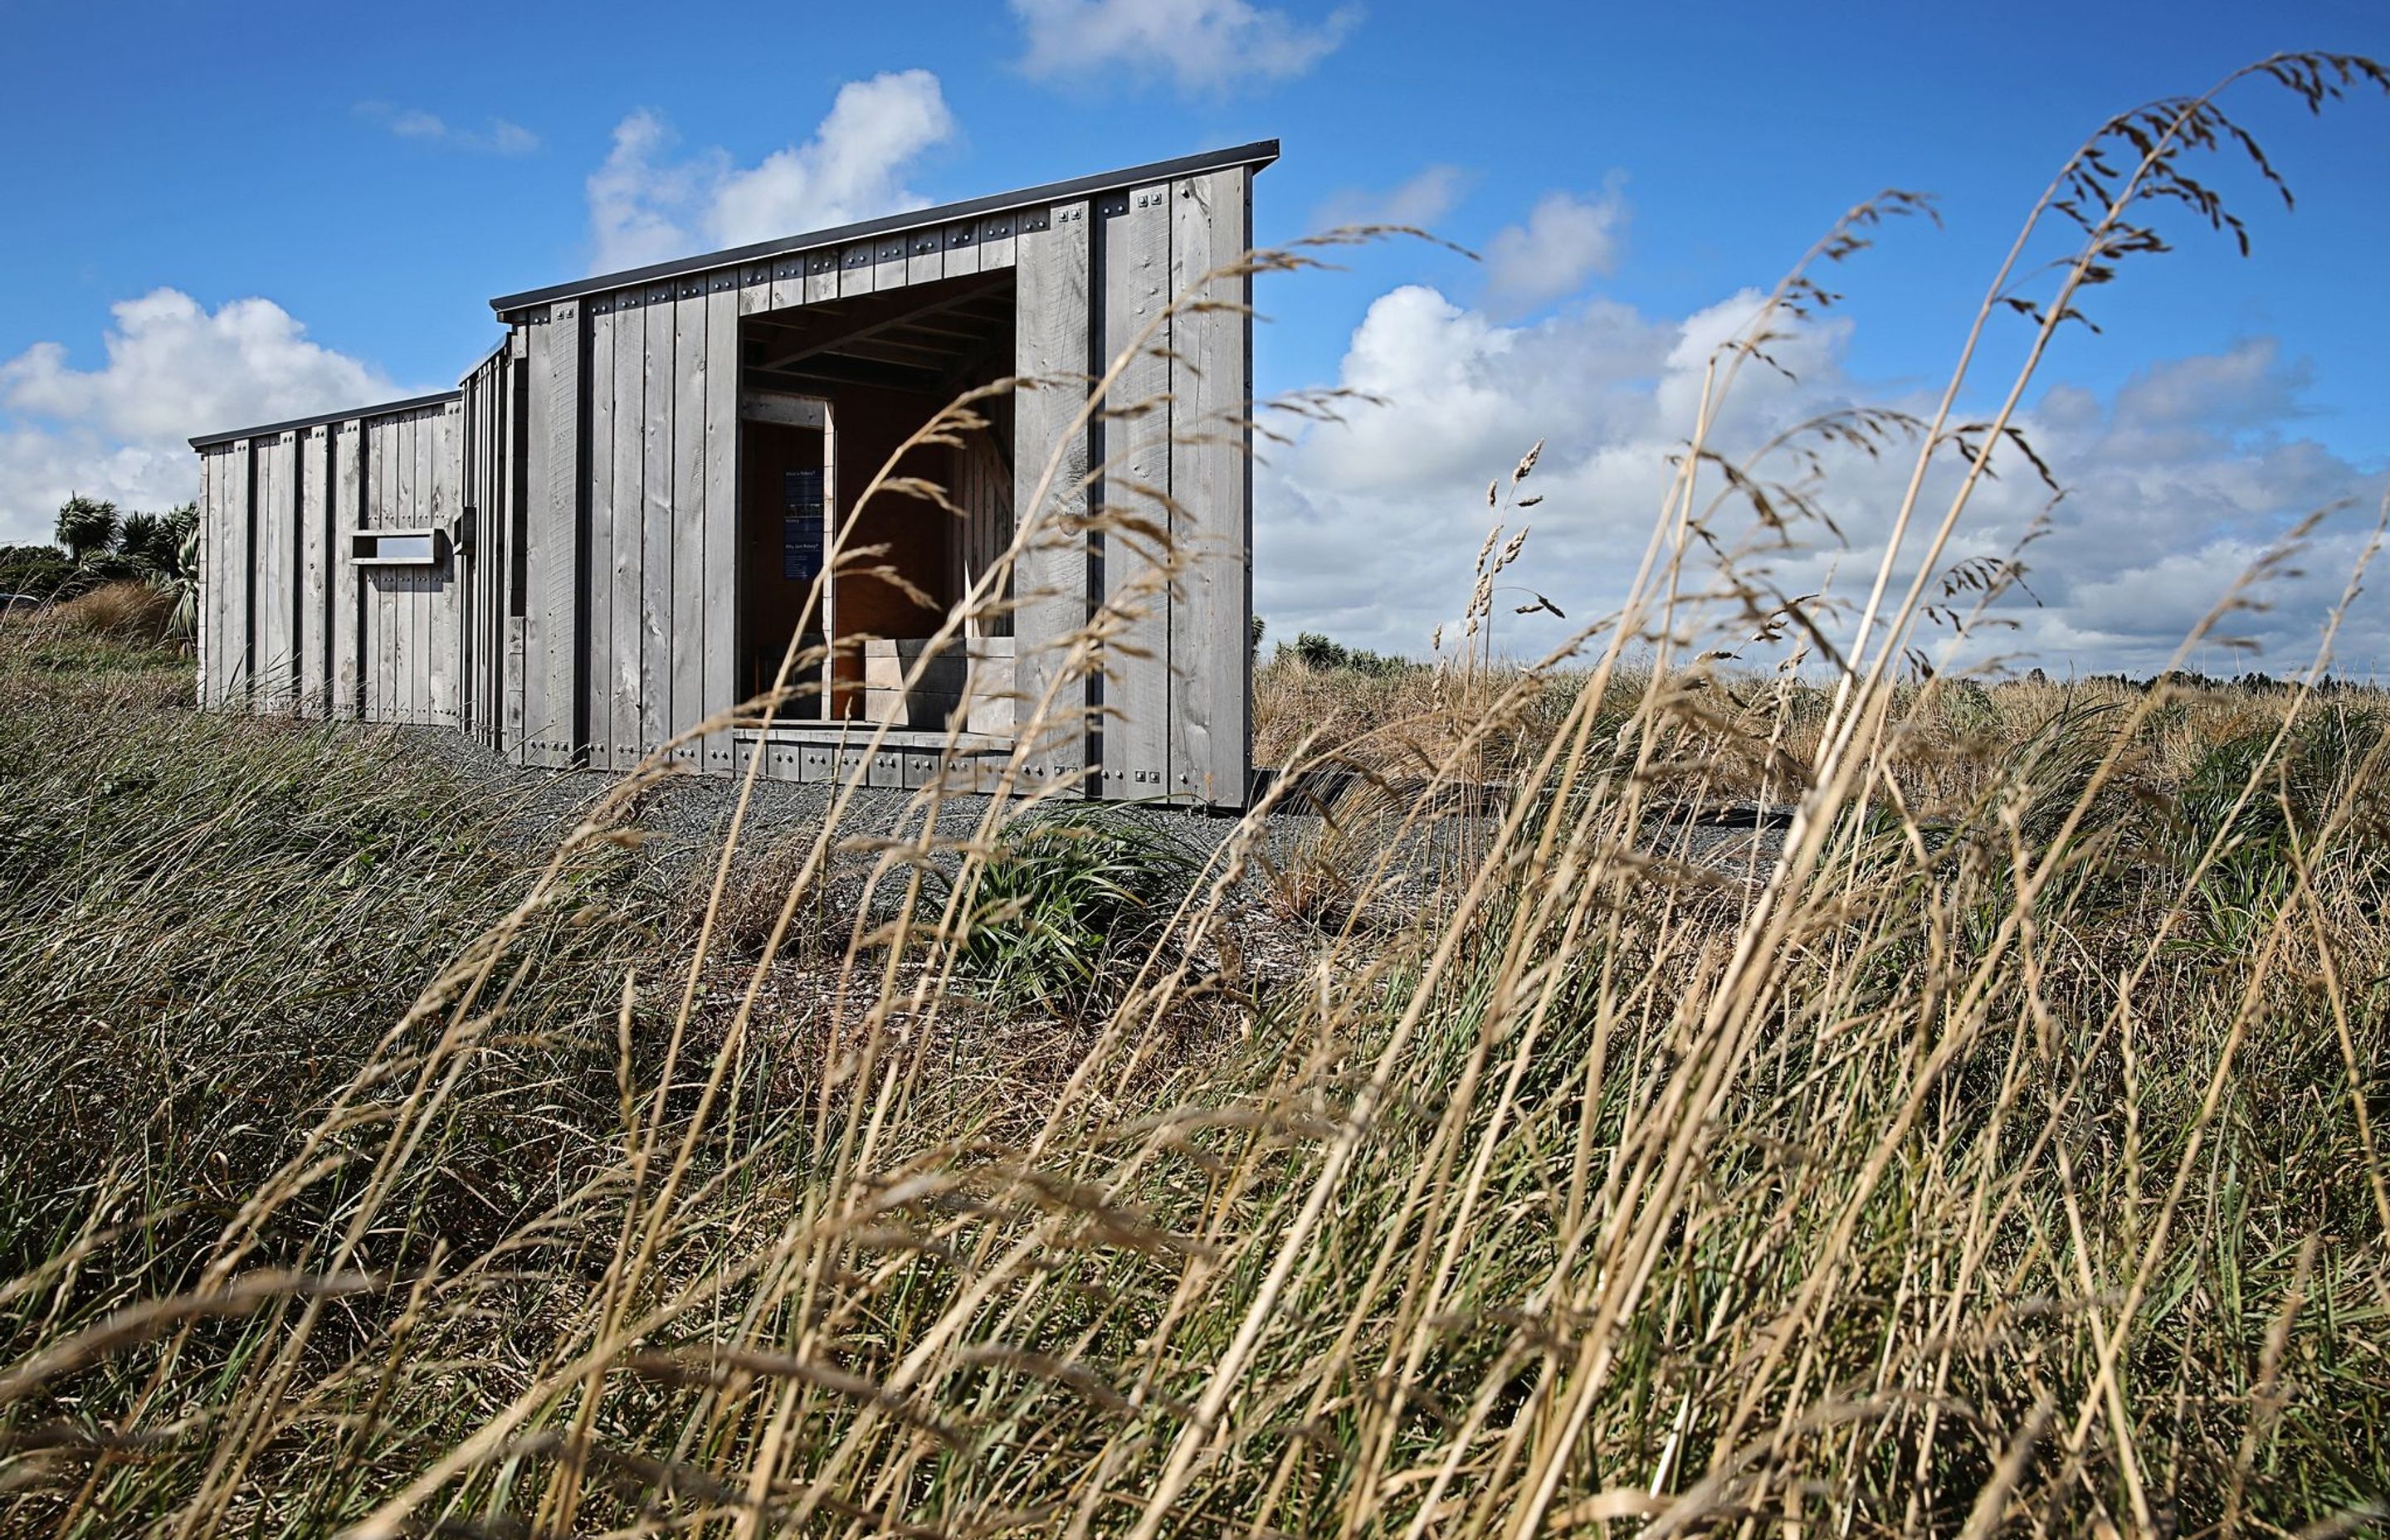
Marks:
<point>2009,1166</point>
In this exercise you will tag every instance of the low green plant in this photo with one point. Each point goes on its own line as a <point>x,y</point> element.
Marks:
<point>1068,906</point>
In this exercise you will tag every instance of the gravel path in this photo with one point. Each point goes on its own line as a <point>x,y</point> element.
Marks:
<point>687,817</point>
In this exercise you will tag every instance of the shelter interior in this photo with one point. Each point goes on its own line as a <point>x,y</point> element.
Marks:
<point>828,392</point>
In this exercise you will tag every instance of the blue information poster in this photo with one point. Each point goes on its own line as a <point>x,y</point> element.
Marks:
<point>801,525</point>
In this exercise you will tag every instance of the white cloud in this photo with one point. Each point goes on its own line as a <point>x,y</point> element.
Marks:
<point>1567,238</point>
<point>1418,201</point>
<point>173,370</point>
<point>1200,45</point>
<point>646,206</point>
<point>1367,530</point>
<point>498,136</point>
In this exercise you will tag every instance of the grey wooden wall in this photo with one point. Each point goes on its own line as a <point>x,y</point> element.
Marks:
<point>288,622</point>
<point>490,633</point>
<point>590,614</point>
<point>630,522</point>
<point>1169,708</point>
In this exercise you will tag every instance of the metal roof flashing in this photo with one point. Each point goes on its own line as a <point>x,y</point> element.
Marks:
<point>209,441</point>
<point>1258,154</point>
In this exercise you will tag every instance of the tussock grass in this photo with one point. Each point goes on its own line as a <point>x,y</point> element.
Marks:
<point>2000,1152</point>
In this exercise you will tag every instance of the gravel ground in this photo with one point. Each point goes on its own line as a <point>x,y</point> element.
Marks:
<point>687,817</point>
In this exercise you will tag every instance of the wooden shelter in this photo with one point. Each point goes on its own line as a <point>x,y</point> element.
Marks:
<point>606,535</point>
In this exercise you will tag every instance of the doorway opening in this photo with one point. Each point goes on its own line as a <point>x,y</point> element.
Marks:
<point>829,392</point>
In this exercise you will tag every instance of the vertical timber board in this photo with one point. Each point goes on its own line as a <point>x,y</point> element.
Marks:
<point>292,492</point>
<point>445,598</point>
<point>1211,612</point>
<point>402,512</point>
<point>210,510</point>
<point>283,601</point>
<point>315,602</point>
<point>347,492</point>
<point>516,460</point>
<point>567,547</point>
<point>855,270</point>
<point>821,276</point>
<point>656,532</point>
<point>718,670</point>
<point>260,596</point>
<point>215,465</point>
<point>492,558</point>
<point>221,575</point>
<point>498,557</point>
<point>428,581</point>
<point>996,241</point>
<point>531,525</point>
<point>406,485</point>
<point>464,565</point>
<point>552,615</point>
<point>925,256</point>
<point>888,254</point>
<point>425,629</point>
<point>1135,228</point>
<point>397,511</point>
<point>373,628</point>
<point>389,479</point>
<point>473,495</point>
<point>599,678</point>
<point>688,574</point>
<point>620,667</point>
<point>417,471</point>
<point>755,283</point>
<point>241,572</point>
<point>1050,581</point>
<point>537,715</point>
<point>784,285</point>
<point>272,564</point>
<point>961,241</point>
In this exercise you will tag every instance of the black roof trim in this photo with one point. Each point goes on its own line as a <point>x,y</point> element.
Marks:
<point>505,339</point>
<point>210,441</point>
<point>1258,154</point>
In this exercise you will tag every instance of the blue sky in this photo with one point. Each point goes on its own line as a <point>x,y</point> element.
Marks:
<point>375,175</point>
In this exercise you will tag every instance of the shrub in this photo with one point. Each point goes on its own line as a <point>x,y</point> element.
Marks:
<point>1320,653</point>
<point>121,610</point>
<point>1064,909</point>
<point>43,572</point>
<point>87,525</point>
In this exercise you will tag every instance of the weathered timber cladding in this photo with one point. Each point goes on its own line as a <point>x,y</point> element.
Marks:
<point>288,622</point>
<point>656,521</point>
<point>618,665</point>
<point>1133,435</point>
<point>1211,469</point>
<point>1050,578</point>
<point>556,559</point>
<point>597,677</point>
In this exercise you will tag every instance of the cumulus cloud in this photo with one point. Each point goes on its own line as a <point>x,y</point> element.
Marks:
<point>498,137</point>
<point>1567,238</point>
<point>173,368</point>
<point>2174,486</point>
<point>1418,200</point>
<point>1201,45</point>
<point>646,206</point>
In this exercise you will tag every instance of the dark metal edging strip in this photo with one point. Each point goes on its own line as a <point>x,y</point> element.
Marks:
<point>210,441</point>
<point>1258,154</point>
